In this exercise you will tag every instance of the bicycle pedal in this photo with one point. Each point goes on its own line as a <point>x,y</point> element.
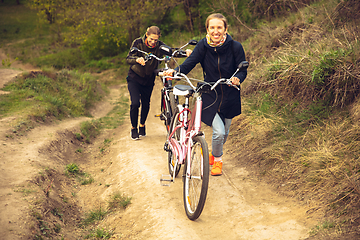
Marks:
<point>157,115</point>
<point>166,180</point>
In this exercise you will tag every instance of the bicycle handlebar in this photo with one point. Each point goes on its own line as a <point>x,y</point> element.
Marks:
<point>148,55</point>
<point>177,75</point>
<point>167,51</point>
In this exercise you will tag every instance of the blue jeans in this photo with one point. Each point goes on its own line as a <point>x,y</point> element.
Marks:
<point>220,134</point>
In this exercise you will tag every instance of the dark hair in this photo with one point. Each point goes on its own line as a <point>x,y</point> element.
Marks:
<point>216,15</point>
<point>153,30</point>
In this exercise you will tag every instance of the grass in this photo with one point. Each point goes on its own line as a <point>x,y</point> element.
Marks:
<point>116,116</point>
<point>94,216</point>
<point>92,129</point>
<point>100,233</point>
<point>73,170</point>
<point>118,200</point>
<point>18,22</point>
<point>39,95</point>
<point>300,123</point>
<point>300,126</point>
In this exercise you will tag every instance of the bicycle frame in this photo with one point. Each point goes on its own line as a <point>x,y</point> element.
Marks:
<point>189,147</point>
<point>188,129</point>
<point>166,113</point>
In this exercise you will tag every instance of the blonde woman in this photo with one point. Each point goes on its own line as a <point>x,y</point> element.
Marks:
<point>219,56</point>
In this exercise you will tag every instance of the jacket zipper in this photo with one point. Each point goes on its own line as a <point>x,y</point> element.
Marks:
<point>222,93</point>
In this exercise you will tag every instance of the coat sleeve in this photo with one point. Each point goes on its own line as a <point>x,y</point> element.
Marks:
<point>191,61</point>
<point>132,56</point>
<point>239,57</point>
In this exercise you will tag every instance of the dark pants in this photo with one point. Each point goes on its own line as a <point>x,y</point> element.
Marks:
<point>139,95</point>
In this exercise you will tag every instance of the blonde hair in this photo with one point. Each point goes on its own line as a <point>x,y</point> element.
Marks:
<point>218,16</point>
<point>153,30</point>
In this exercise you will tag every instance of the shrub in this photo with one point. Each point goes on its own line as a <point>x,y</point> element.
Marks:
<point>105,43</point>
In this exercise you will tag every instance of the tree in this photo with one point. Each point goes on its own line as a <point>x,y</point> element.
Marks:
<point>102,23</point>
<point>191,11</point>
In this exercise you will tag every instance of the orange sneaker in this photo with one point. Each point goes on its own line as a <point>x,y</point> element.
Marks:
<point>211,159</point>
<point>216,169</point>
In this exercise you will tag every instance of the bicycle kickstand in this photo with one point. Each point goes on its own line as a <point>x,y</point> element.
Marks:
<point>166,180</point>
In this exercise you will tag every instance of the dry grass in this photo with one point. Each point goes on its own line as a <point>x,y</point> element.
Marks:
<point>300,128</point>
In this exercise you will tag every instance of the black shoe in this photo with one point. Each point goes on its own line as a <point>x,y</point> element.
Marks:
<point>142,131</point>
<point>134,134</point>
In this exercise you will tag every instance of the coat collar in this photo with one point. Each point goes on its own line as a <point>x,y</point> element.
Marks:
<point>222,48</point>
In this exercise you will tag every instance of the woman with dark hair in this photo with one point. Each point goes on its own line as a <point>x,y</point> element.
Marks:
<point>219,56</point>
<point>141,78</point>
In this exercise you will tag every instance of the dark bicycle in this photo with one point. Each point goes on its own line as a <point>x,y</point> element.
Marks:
<point>169,101</point>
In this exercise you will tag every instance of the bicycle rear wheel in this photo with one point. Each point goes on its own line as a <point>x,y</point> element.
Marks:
<point>196,185</point>
<point>171,158</point>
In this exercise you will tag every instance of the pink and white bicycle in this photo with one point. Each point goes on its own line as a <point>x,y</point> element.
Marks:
<point>186,144</point>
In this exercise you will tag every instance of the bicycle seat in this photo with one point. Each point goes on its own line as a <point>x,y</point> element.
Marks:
<point>183,90</point>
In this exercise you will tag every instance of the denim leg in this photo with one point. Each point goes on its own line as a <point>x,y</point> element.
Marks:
<point>227,128</point>
<point>220,134</point>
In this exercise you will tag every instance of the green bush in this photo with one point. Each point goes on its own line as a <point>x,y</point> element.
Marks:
<point>326,66</point>
<point>73,168</point>
<point>71,58</point>
<point>105,43</point>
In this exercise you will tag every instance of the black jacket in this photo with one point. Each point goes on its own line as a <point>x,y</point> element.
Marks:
<point>218,62</point>
<point>143,74</point>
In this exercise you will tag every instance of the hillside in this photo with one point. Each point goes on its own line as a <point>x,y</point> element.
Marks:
<point>297,141</point>
<point>301,125</point>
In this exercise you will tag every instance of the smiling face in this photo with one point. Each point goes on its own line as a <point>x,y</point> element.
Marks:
<point>152,39</point>
<point>216,30</point>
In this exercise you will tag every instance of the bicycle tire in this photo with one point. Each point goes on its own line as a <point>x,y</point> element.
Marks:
<point>165,109</point>
<point>162,103</point>
<point>171,160</point>
<point>196,185</point>
<point>173,103</point>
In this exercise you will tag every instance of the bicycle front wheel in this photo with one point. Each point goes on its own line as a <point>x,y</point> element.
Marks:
<point>196,184</point>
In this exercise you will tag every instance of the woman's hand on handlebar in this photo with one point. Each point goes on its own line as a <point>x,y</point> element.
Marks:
<point>235,81</point>
<point>188,52</point>
<point>168,72</point>
<point>141,61</point>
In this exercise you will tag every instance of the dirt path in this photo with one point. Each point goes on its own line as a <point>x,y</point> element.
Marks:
<point>238,206</point>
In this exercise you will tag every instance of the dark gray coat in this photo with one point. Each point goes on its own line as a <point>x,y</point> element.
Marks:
<point>218,62</point>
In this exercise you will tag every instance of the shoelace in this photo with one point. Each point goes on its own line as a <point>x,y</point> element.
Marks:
<point>217,163</point>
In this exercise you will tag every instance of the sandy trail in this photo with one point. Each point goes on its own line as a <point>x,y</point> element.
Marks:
<point>238,206</point>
